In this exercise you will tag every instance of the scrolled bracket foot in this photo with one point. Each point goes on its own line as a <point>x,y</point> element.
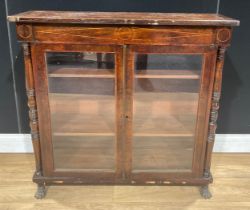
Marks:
<point>41,192</point>
<point>205,193</point>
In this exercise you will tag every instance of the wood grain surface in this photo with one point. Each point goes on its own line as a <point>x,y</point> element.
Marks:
<point>126,18</point>
<point>119,34</point>
<point>125,35</point>
<point>231,190</point>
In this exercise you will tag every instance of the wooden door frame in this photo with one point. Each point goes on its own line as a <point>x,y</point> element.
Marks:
<point>203,111</point>
<point>41,90</point>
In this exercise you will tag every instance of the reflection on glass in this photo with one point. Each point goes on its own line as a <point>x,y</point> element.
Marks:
<point>164,111</point>
<point>82,107</point>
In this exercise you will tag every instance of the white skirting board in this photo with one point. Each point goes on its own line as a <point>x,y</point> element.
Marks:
<point>21,143</point>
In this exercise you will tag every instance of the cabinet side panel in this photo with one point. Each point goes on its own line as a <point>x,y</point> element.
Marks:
<point>41,87</point>
<point>204,110</point>
<point>223,38</point>
<point>33,116</point>
<point>214,108</point>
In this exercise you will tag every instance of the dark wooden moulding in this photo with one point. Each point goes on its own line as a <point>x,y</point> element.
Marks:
<point>209,34</point>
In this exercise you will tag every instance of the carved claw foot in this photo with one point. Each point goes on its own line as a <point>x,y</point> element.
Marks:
<point>41,192</point>
<point>205,193</point>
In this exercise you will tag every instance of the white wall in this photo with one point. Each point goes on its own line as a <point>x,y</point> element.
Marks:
<point>21,143</point>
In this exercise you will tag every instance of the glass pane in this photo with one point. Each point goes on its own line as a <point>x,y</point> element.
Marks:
<point>82,107</point>
<point>166,91</point>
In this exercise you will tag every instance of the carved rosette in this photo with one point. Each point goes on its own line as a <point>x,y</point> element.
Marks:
<point>223,35</point>
<point>124,33</point>
<point>24,32</point>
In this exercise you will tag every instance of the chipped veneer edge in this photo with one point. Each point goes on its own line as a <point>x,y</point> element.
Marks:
<point>13,18</point>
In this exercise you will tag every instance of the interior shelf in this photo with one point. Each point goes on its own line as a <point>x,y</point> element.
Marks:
<point>168,125</point>
<point>156,114</point>
<point>70,117</point>
<point>168,74</point>
<point>151,153</point>
<point>82,134</point>
<point>87,153</point>
<point>109,73</point>
<point>164,114</point>
<point>81,72</point>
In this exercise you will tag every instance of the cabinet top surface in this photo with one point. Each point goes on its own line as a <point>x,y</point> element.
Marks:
<point>124,18</point>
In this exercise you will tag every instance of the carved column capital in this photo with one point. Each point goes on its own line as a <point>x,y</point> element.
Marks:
<point>26,49</point>
<point>30,92</point>
<point>221,53</point>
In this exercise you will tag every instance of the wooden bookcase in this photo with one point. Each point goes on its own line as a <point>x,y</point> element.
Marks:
<point>123,98</point>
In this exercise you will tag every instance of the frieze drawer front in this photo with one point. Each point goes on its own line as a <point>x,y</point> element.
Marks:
<point>123,98</point>
<point>117,35</point>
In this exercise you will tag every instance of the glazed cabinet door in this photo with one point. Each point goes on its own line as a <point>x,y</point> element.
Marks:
<point>79,97</point>
<point>168,91</point>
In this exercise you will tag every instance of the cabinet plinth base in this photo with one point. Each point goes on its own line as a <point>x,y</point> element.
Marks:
<point>43,181</point>
<point>41,191</point>
<point>103,179</point>
<point>205,193</point>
